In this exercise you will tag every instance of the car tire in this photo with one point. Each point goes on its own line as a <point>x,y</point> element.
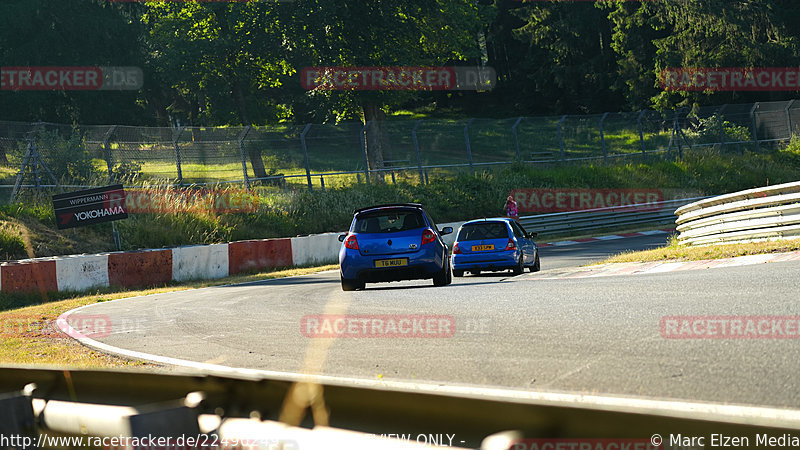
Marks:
<point>444,277</point>
<point>520,265</point>
<point>352,285</point>
<point>536,266</point>
<point>458,273</point>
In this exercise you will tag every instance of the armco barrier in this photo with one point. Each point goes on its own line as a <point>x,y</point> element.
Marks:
<point>771,212</point>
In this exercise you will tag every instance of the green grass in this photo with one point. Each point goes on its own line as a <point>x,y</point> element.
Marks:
<point>450,196</point>
<point>674,251</point>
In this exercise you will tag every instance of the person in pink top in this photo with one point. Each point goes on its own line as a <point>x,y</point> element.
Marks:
<point>511,208</point>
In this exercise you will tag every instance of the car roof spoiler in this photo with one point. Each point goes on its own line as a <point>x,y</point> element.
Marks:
<point>389,205</point>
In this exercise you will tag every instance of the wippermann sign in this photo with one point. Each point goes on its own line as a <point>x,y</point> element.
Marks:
<point>90,206</point>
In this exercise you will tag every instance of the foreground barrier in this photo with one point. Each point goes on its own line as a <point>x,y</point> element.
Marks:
<point>44,407</point>
<point>771,212</point>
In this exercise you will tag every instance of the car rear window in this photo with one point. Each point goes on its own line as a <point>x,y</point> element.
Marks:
<point>390,221</point>
<point>484,230</point>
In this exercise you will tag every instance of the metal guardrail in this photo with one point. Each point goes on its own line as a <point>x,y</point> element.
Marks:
<point>290,412</point>
<point>604,218</point>
<point>771,212</point>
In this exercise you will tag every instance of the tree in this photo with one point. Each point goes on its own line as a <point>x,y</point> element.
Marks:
<point>379,33</point>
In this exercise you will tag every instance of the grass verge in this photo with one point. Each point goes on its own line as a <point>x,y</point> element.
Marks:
<point>29,336</point>
<point>674,251</point>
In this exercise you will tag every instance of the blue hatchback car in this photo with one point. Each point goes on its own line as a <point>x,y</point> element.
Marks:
<point>492,245</point>
<point>392,243</point>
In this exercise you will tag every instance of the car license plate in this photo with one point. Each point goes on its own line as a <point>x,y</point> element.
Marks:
<point>399,262</point>
<point>482,248</point>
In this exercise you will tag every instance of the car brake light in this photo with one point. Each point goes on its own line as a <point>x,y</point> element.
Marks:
<point>511,245</point>
<point>351,242</point>
<point>456,250</point>
<point>428,236</point>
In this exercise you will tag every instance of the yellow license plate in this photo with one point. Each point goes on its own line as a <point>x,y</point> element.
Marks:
<point>482,248</point>
<point>391,262</point>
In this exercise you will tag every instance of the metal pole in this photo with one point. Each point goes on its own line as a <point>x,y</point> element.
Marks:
<point>241,138</point>
<point>469,147</point>
<point>641,133</point>
<point>721,119</point>
<point>753,123</point>
<point>178,154</point>
<point>416,150</point>
<point>305,156</point>
<point>516,138</point>
<point>35,158</point>
<point>561,138</point>
<point>603,137</point>
<point>107,152</point>
<point>364,149</point>
<point>789,118</point>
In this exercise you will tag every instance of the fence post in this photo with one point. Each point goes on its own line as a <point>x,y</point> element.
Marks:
<point>789,118</point>
<point>305,156</point>
<point>469,148</point>
<point>241,138</point>
<point>516,138</point>
<point>561,138</point>
<point>721,120</point>
<point>753,123</point>
<point>364,149</point>
<point>107,152</point>
<point>178,154</point>
<point>416,150</point>
<point>603,137</point>
<point>641,133</point>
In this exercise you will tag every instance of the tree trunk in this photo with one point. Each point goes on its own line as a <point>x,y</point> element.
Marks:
<point>237,91</point>
<point>375,133</point>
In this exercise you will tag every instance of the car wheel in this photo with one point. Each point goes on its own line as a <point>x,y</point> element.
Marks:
<point>520,265</point>
<point>458,273</point>
<point>443,278</point>
<point>536,266</point>
<point>352,285</point>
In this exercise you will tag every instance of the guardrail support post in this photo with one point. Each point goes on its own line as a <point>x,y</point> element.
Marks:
<point>469,147</point>
<point>305,157</point>
<point>603,138</point>
<point>641,133</point>
<point>789,119</point>
<point>364,149</point>
<point>107,152</point>
<point>753,123</point>
<point>241,138</point>
<point>178,154</point>
<point>416,150</point>
<point>516,138</point>
<point>561,138</point>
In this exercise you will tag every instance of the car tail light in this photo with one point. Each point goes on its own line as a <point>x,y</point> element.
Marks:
<point>351,242</point>
<point>456,250</point>
<point>428,236</point>
<point>511,245</point>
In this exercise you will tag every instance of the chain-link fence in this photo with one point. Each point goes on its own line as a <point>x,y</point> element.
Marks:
<point>45,156</point>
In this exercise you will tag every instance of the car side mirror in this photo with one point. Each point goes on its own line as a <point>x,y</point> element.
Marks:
<point>446,230</point>
<point>341,237</point>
